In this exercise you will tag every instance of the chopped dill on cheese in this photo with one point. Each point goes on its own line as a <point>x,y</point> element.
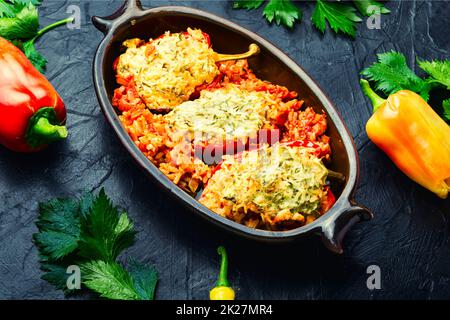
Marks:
<point>167,70</point>
<point>224,114</point>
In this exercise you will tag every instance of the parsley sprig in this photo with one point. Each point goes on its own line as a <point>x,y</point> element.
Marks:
<point>439,71</point>
<point>19,23</point>
<point>391,74</point>
<point>340,16</point>
<point>446,109</point>
<point>91,233</point>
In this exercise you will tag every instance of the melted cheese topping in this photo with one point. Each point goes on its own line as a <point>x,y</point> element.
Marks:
<point>273,181</point>
<point>167,70</point>
<point>225,114</point>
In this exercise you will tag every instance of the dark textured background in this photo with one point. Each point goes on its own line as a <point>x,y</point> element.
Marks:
<point>408,238</point>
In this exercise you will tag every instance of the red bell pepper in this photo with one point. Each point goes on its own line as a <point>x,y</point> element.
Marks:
<point>32,114</point>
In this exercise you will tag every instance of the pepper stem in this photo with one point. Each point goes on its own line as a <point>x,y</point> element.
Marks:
<point>376,100</point>
<point>223,275</point>
<point>253,49</point>
<point>52,26</point>
<point>44,128</point>
<point>336,175</point>
<point>52,132</point>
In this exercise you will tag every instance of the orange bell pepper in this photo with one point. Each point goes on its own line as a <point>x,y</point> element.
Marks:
<point>413,135</point>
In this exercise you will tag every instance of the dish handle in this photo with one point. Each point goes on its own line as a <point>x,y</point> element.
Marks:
<point>129,8</point>
<point>334,228</point>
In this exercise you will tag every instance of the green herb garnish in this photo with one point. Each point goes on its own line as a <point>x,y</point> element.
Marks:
<point>439,71</point>
<point>365,7</point>
<point>282,12</point>
<point>19,23</point>
<point>391,74</point>
<point>91,233</point>
<point>446,108</point>
<point>112,281</point>
<point>341,16</point>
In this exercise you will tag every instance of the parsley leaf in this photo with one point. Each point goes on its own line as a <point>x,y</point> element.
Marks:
<point>6,9</point>
<point>27,2</point>
<point>56,244</point>
<point>19,24</point>
<point>283,12</point>
<point>104,232</point>
<point>340,17</point>
<point>247,4</point>
<point>86,201</point>
<point>91,233</point>
<point>56,275</point>
<point>59,215</point>
<point>59,227</point>
<point>439,71</point>
<point>34,56</point>
<point>364,7</point>
<point>392,74</point>
<point>112,281</point>
<point>446,107</point>
<point>109,279</point>
<point>57,239</point>
<point>9,8</point>
<point>144,279</point>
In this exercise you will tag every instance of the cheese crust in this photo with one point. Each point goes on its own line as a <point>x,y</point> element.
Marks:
<point>225,114</point>
<point>277,184</point>
<point>167,70</point>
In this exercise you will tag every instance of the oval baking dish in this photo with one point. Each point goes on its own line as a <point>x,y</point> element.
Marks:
<point>271,64</point>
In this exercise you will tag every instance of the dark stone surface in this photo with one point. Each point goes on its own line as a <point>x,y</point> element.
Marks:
<point>408,238</point>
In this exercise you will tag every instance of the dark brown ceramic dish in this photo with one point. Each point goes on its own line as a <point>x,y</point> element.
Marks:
<point>271,64</point>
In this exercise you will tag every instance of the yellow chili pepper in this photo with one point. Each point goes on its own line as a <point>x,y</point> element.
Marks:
<point>413,135</point>
<point>222,291</point>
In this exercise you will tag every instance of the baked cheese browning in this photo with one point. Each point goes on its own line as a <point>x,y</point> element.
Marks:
<point>275,187</point>
<point>227,114</point>
<point>167,70</point>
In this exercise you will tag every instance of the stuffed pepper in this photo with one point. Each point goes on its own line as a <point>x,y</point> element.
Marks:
<point>277,187</point>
